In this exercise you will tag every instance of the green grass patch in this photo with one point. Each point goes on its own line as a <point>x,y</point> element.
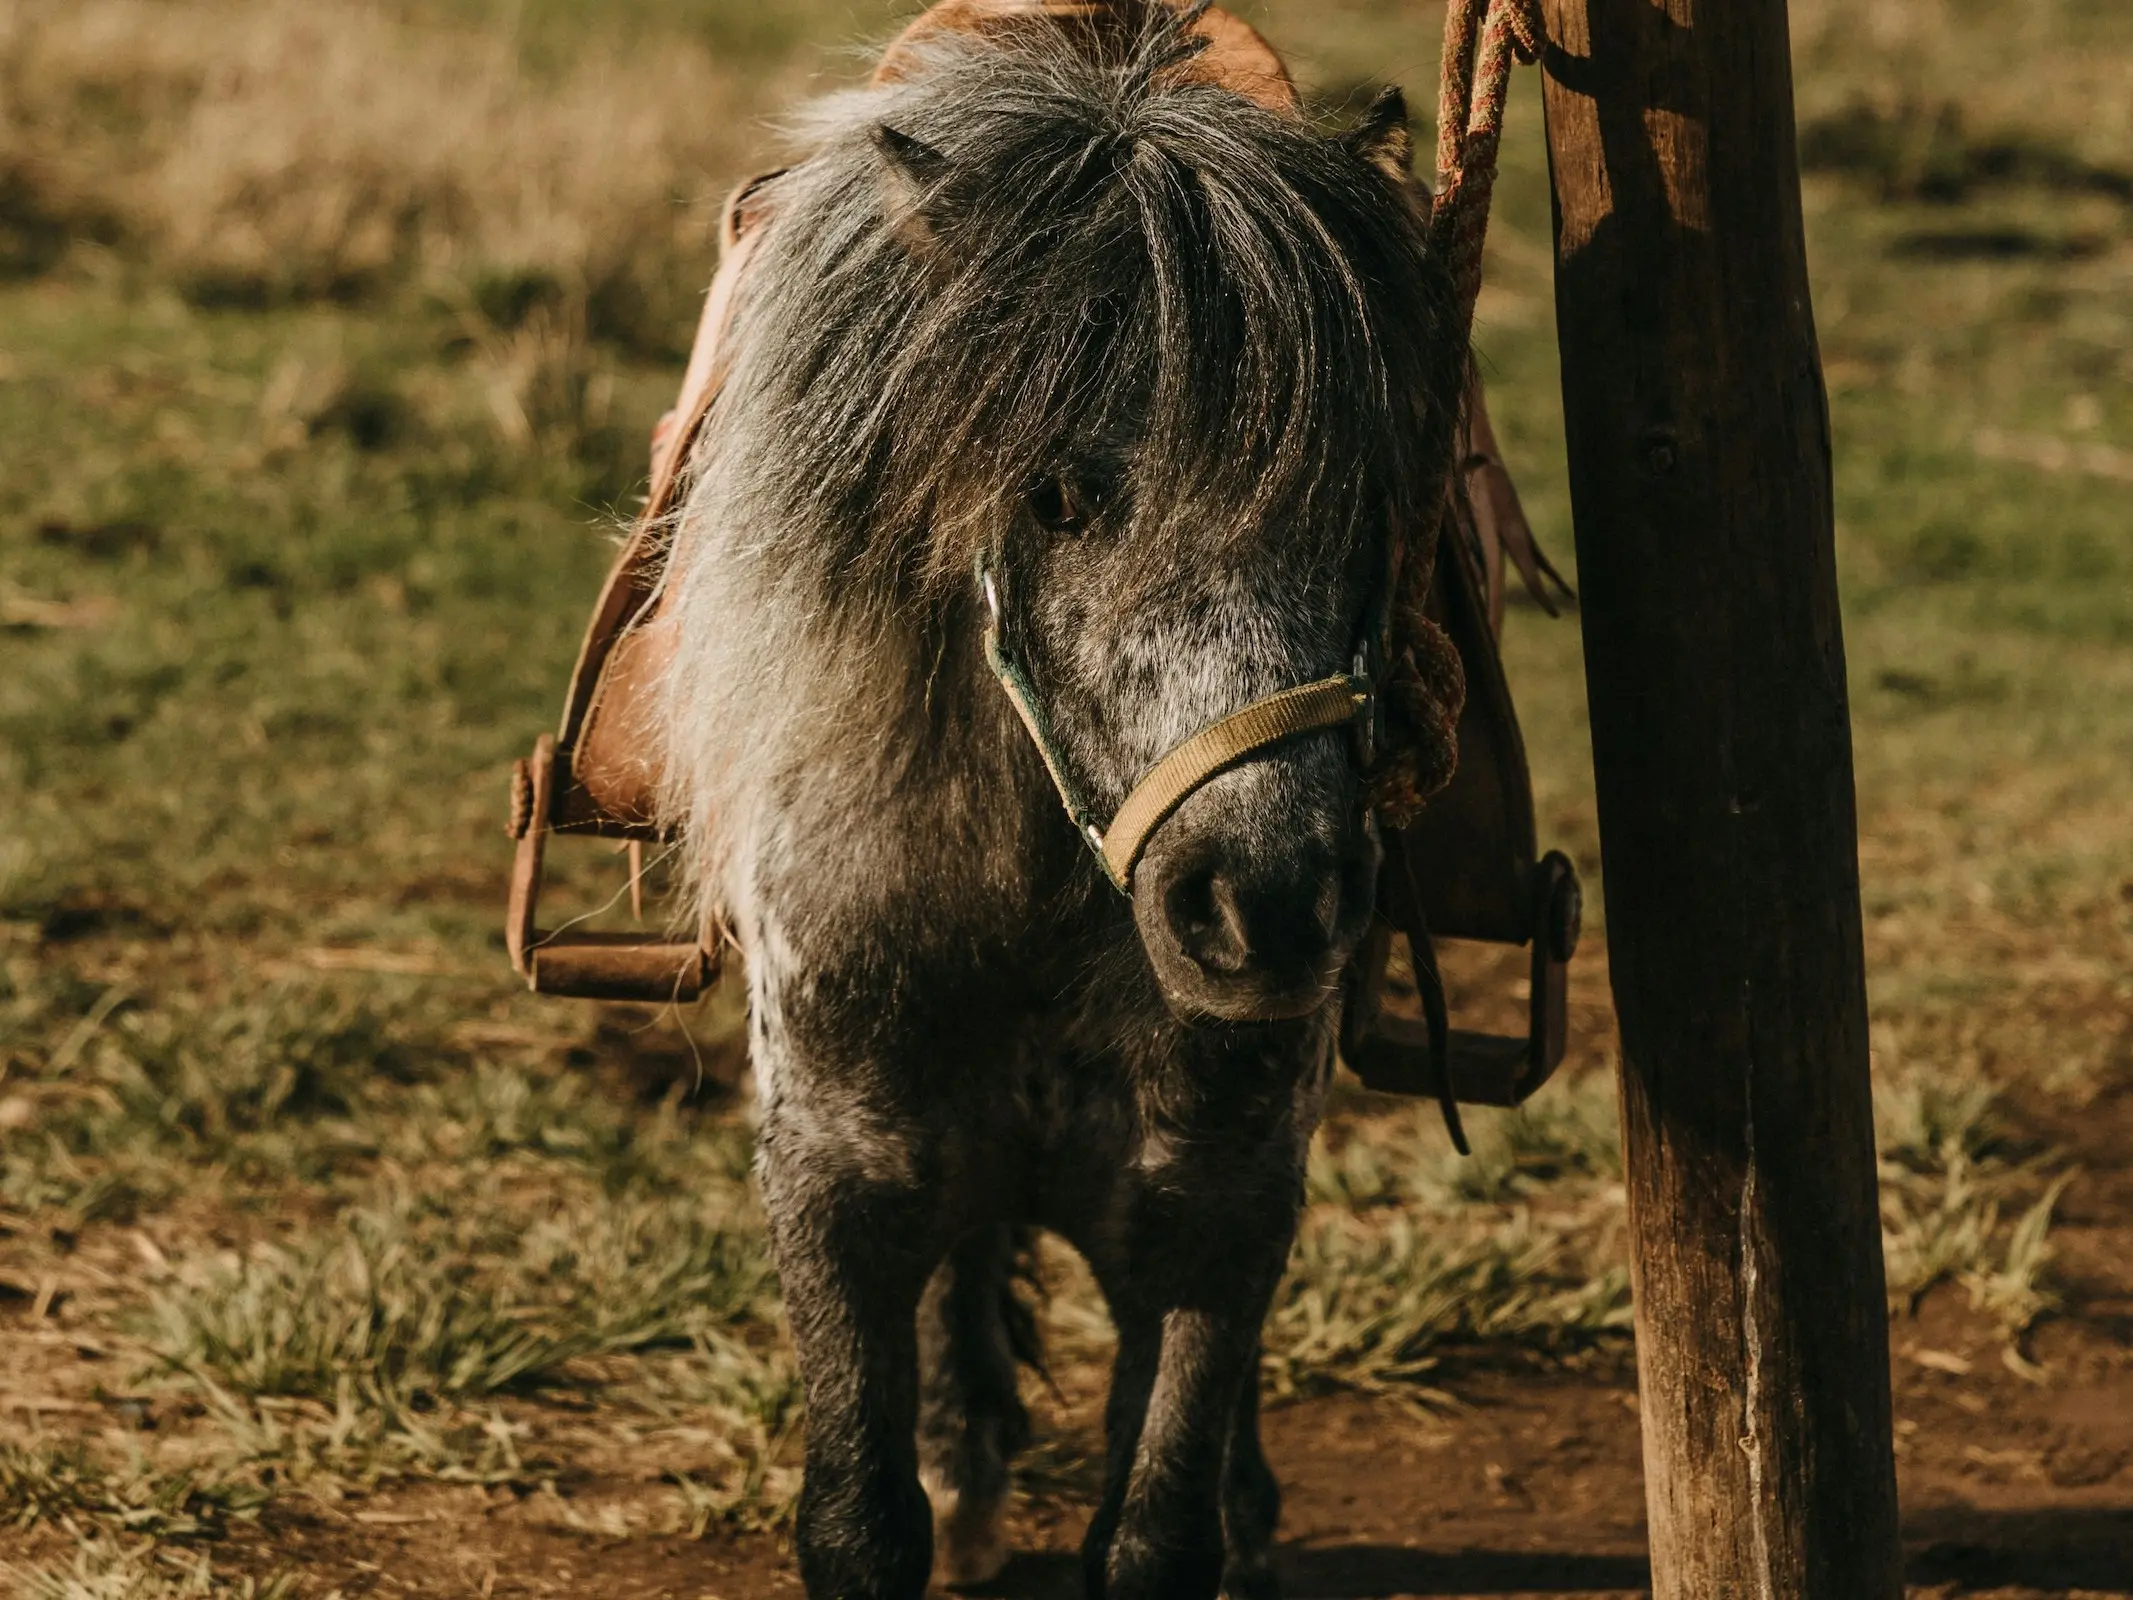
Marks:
<point>416,1305</point>
<point>59,1480</point>
<point>110,1569</point>
<point>1376,1307</point>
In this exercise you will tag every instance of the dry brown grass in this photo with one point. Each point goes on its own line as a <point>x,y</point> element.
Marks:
<point>2047,66</point>
<point>267,150</point>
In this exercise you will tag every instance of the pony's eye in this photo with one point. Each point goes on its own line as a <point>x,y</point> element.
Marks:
<point>1057,505</point>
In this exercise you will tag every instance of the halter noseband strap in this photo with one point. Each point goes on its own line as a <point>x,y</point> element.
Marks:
<point>1340,701</point>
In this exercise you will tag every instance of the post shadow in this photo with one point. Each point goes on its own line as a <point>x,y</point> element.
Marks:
<point>2089,1549</point>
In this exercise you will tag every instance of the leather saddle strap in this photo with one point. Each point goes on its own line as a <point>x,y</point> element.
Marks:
<point>634,582</point>
<point>1436,1009</point>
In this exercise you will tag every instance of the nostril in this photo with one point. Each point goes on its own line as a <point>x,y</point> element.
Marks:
<point>1208,922</point>
<point>1290,924</point>
<point>1231,926</point>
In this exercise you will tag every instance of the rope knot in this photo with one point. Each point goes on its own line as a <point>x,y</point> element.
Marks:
<point>1529,32</point>
<point>1423,692</point>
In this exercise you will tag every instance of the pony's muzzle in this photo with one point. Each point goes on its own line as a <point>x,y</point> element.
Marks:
<point>1252,924</point>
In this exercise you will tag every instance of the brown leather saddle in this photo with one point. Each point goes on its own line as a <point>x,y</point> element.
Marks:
<point>1468,868</point>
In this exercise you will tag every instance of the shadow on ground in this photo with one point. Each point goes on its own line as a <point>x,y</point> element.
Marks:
<point>2089,1549</point>
<point>1378,1572</point>
<point>1955,1549</point>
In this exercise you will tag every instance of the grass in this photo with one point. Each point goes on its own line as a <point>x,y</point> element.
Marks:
<point>50,1480</point>
<point>1950,1172</point>
<point>1412,1258</point>
<point>332,336</point>
<point>110,1569</point>
<point>415,1305</point>
<point>1375,1309</point>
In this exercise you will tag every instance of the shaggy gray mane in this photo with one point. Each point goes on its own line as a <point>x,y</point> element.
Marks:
<point>1210,300</point>
<point>1019,258</point>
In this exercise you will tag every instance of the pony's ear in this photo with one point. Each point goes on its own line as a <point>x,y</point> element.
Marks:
<point>914,177</point>
<point>1382,138</point>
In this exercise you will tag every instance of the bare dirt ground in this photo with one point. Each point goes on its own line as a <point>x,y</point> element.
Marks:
<point>1522,1479</point>
<point>1531,1487</point>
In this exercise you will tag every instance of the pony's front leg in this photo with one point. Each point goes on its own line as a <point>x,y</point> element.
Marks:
<point>1188,1357</point>
<point>1251,1502</point>
<point>853,1240</point>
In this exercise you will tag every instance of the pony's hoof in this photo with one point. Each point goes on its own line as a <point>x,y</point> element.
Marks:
<point>969,1538</point>
<point>1256,1582</point>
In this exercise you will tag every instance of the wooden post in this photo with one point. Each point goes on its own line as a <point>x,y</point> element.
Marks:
<point>1700,474</point>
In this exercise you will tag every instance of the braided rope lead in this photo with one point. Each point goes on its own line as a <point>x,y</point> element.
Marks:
<point>1483,39</point>
<point>1424,687</point>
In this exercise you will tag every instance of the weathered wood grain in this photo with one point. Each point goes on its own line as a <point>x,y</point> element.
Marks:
<point>1700,470</point>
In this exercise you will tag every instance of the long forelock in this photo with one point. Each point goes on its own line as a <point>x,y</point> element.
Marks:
<point>1116,246</point>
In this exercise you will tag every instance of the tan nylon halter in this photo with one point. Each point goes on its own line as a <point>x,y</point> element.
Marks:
<point>1343,700</point>
<point>1330,703</point>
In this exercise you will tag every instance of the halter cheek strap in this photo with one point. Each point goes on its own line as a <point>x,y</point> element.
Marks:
<point>1344,700</point>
